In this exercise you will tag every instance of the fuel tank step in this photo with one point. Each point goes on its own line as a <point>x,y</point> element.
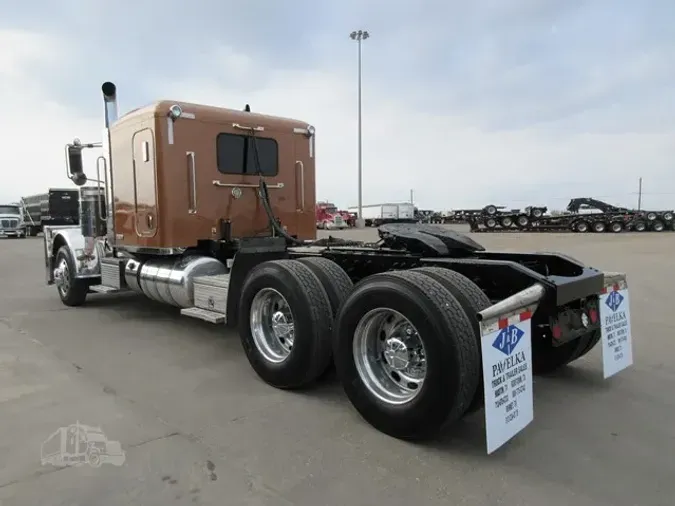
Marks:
<point>204,314</point>
<point>106,289</point>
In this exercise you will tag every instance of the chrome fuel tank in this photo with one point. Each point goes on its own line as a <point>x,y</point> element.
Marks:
<point>170,280</point>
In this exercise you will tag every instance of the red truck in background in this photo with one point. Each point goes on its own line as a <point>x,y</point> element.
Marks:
<point>328,217</point>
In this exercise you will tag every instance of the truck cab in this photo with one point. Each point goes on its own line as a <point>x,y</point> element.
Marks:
<point>11,221</point>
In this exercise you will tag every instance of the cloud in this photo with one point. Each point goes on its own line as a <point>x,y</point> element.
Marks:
<point>532,102</point>
<point>34,127</point>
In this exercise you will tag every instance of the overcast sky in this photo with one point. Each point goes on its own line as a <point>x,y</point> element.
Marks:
<point>509,102</point>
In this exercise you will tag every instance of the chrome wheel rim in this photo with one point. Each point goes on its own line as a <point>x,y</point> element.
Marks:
<point>389,356</point>
<point>272,325</point>
<point>62,277</point>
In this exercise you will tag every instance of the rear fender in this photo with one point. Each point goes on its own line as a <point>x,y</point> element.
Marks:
<point>86,256</point>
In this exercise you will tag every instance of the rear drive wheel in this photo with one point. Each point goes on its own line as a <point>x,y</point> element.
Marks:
<point>285,323</point>
<point>658,226</point>
<point>651,216</point>
<point>506,222</point>
<point>640,226</point>
<point>336,282</point>
<point>599,227</point>
<point>473,300</point>
<point>406,354</point>
<point>72,291</point>
<point>490,223</point>
<point>522,221</point>
<point>667,216</point>
<point>591,340</point>
<point>616,227</point>
<point>537,213</point>
<point>547,358</point>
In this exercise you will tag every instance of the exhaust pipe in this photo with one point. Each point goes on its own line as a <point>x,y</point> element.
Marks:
<point>111,113</point>
<point>110,100</point>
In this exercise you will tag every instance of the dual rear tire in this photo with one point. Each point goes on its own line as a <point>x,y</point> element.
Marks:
<point>406,345</point>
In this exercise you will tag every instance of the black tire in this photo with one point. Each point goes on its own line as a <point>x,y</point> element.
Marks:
<point>667,216</point>
<point>506,222</point>
<point>312,317</point>
<point>581,227</point>
<point>338,286</point>
<point>640,226</point>
<point>599,227</point>
<point>658,226</point>
<point>75,293</point>
<point>547,358</point>
<point>592,340</point>
<point>333,278</point>
<point>522,221</point>
<point>651,216</point>
<point>537,213</point>
<point>94,458</point>
<point>490,210</point>
<point>616,227</point>
<point>490,223</point>
<point>452,354</point>
<point>473,300</point>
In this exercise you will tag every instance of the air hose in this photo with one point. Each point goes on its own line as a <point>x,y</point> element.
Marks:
<point>264,196</point>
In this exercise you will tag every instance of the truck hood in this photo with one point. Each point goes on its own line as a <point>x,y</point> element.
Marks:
<point>10,216</point>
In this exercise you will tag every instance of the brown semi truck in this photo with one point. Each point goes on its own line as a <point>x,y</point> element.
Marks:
<point>211,210</point>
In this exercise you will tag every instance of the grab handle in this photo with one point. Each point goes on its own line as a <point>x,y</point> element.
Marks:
<point>192,178</point>
<point>301,168</point>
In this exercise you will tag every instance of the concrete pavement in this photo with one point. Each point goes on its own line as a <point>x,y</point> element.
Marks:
<point>198,427</point>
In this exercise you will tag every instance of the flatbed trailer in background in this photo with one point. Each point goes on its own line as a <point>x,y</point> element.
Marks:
<point>583,214</point>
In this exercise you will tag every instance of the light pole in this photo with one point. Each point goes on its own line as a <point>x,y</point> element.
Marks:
<point>359,36</point>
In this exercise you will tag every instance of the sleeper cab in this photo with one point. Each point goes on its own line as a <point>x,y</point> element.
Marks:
<point>174,179</point>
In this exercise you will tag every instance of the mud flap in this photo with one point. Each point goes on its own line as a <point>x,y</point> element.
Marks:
<point>617,339</point>
<point>506,346</point>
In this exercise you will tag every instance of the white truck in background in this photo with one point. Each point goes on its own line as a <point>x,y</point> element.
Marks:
<point>406,212</point>
<point>375,215</point>
<point>11,221</point>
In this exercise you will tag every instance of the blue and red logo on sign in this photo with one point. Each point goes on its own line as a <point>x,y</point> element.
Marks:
<point>614,300</point>
<point>507,339</point>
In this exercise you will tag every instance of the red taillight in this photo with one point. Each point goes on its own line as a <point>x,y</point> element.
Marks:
<point>556,331</point>
<point>593,315</point>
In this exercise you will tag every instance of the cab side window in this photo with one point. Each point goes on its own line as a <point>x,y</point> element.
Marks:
<point>236,154</point>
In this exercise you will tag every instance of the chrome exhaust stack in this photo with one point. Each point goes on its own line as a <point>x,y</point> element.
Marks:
<point>111,114</point>
<point>110,101</point>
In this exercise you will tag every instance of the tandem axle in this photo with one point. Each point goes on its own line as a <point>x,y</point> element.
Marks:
<point>298,309</point>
